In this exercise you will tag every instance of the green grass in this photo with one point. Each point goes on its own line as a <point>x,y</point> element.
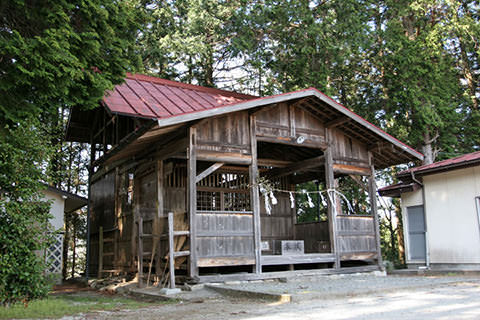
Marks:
<point>63,305</point>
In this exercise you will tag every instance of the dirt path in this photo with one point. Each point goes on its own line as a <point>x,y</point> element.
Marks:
<point>438,300</point>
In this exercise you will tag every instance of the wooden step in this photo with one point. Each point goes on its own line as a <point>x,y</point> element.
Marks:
<point>181,254</point>
<point>181,233</point>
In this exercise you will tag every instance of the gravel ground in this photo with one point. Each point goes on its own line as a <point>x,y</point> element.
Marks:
<point>357,297</point>
<point>335,286</point>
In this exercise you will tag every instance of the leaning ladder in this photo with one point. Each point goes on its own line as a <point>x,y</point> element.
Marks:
<point>172,254</point>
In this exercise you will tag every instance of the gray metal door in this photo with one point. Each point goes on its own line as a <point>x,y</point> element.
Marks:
<point>416,233</point>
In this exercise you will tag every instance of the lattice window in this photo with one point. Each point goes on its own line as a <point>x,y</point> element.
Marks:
<point>176,175</point>
<point>53,255</point>
<point>224,191</point>
<point>236,201</point>
<point>208,201</point>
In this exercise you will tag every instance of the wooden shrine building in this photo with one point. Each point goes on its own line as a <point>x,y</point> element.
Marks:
<point>176,182</point>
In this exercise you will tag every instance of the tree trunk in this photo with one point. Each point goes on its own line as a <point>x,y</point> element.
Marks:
<point>73,247</point>
<point>427,148</point>
<point>66,240</point>
<point>400,238</point>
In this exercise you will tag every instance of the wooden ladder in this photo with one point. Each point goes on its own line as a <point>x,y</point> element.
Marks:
<point>102,253</point>
<point>172,254</point>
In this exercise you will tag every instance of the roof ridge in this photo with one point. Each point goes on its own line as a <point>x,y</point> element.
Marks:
<point>144,77</point>
<point>439,164</point>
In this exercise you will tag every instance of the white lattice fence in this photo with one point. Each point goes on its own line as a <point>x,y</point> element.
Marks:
<point>53,255</point>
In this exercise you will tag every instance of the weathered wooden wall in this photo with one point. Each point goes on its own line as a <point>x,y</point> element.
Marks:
<point>315,236</point>
<point>225,138</point>
<point>224,224</point>
<point>102,214</point>
<point>279,224</point>
<point>356,237</point>
<point>349,155</point>
<point>224,220</point>
<point>284,123</point>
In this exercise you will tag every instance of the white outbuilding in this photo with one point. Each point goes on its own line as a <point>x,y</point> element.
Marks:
<point>62,202</point>
<point>441,213</point>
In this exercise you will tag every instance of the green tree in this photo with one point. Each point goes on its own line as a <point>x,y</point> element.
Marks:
<point>24,214</point>
<point>62,53</point>
<point>296,44</point>
<point>54,55</point>
<point>186,39</point>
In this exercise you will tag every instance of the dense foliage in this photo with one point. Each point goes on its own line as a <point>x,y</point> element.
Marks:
<point>409,66</point>
<point>54,55</point>
<point>23,214</point>
<point>61,52</point>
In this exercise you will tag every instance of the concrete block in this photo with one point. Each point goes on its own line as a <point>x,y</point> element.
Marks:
<point>193,287</point>
<point>169,292</point>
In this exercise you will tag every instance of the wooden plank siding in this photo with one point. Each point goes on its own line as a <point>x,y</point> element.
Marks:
<point>278,225</point>
<point>285,124</point>
<point>315,236</point>
<point>226,134</point>
<point>356,237</point>
<point>210,180</point>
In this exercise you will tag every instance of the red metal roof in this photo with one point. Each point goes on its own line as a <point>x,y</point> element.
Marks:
<point>151,97</point>
<point>452,163</point>
<point>172,102</point>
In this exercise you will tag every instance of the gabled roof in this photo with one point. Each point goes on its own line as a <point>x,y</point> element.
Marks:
<point>407,177</point>
<point>463,161</point>
<point>171,104</point>
<point>150,97</point>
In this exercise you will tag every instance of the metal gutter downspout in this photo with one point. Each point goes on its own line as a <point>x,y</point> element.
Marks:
<point>427,251</point>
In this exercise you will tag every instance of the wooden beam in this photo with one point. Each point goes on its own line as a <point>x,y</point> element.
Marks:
<point>330,184</point>
<point>124,142</point>
<point>214,167</point>
<point>192,200</point>
<point>350,169</point>
<point>236,158</point>
<point>292,141</point>
<point>225,261</point>
<point>372,193</point>
<point>273,163</point>
<point>336,122</point>
<point>298,259</point>
<point>255,197</point>
<point>300,166</point>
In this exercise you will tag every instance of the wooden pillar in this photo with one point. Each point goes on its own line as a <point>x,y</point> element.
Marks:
<point>156,227</point>
<point>140,252</point>
<point>255,196</point>
<point>171,249</point>
<point>137,230</point>
<point>330,184</point>
<point>100,253</point>
<point>192,199</point>
<point>118,217</point>
<point>133,237</point>
<point>372,194</point>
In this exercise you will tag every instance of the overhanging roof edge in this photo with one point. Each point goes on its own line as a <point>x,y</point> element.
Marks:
<point>282,98</point>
